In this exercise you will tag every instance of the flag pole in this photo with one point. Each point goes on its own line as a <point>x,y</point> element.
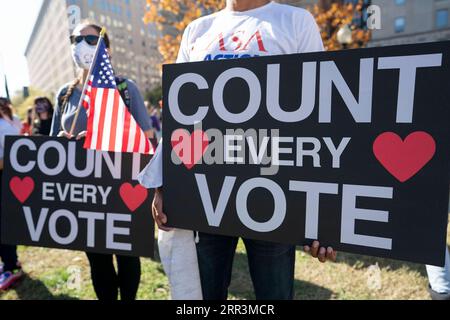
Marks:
<point>7,88</point>
<point>83,92</point>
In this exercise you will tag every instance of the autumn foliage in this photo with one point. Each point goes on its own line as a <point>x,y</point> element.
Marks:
<point>330,20</point>
<point>172,17</point>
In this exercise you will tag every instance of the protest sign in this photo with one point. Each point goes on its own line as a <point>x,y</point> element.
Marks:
<point>350,148</point>
<point>57,194</point>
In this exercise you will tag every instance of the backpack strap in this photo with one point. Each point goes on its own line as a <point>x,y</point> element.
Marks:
<point>124,91</point>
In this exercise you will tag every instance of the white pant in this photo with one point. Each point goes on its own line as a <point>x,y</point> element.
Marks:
<point>176,248</point>
<point>179,259</point>
<point>440,277</point>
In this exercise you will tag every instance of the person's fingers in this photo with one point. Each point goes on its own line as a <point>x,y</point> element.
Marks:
<point>322,255</point>
<point>331,254</point>
<point>156,215</point>
<point>307,249</point>
<point>160,215</point>
<point>315,249</point>
<point>64,134</point>
<point>160,219</point>
<point>82,135</point>
<point>165,228</point>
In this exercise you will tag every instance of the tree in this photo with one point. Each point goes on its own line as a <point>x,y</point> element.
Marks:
<point>172,17</point>
<point>331,17</point>
<point>21,104</point>
<point>154,96</point>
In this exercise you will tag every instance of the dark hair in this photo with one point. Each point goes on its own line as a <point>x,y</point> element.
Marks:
<point>6,108</point>
<point>47,104</point>
<point>4,102</point>
<point>29,115</point>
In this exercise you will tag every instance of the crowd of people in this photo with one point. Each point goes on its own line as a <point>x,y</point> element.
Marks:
<point>198,265</point>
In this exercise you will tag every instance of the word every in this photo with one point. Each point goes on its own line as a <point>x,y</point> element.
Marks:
<point>78,193</point>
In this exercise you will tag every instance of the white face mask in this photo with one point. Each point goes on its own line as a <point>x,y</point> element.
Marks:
<point>83,54</point>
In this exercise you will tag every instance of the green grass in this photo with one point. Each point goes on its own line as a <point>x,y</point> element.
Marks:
<point>48,277</point>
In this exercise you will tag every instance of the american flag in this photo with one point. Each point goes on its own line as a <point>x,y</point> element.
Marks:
<point>111,127</point>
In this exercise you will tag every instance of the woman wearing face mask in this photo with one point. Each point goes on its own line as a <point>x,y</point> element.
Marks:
<point>107,282</point>
<point>43,109</point>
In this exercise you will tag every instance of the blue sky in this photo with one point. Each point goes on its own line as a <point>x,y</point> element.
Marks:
<point>17,19</point>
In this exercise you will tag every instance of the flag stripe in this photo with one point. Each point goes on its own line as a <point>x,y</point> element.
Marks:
<point>114,115</point>
<point>96,115</point>
<point>107,120</point>
<point>120,125</point>
<point>147,146</point>
<point>90,113</point>
<point>131,135</point>
<point>137,139</point>
<point>126,131</point>
<point>101,123</point>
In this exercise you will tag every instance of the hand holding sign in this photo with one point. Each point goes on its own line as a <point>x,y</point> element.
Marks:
<point>157,210</point>
<point>321,253</point>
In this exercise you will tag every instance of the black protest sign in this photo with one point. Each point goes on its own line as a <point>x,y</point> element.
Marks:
<point>350,148</point>
<point>57,194</point>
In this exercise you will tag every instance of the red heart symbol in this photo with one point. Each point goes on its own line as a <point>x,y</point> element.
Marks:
<point>133,197</point>
<point>403,159</point>
<point>22,189</point>
<point>189,148</point>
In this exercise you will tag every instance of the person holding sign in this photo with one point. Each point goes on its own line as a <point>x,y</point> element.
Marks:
<point>71,121</point>
<point>245,28</point>
<point>11,270</point>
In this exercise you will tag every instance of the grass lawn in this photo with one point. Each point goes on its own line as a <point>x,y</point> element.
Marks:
<point>49,276</point>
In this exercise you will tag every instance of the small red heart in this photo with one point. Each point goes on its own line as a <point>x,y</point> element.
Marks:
<point>404,159</point>
<point>22,188</point>
<point>190,148</point>
<point>133,197</point>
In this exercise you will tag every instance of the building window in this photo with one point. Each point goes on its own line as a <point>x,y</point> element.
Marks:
<point>399,24</point>
<point>441,18</point>
<point>400,2</point>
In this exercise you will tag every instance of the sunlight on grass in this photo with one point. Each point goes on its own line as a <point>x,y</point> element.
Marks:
<point>48,276</point>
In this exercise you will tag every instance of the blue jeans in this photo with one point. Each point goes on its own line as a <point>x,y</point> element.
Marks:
<point>271,267</point>
<point>439,278</point>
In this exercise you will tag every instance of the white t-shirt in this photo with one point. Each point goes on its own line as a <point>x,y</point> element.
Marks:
<point>272,29</point>
<point>6,129</point>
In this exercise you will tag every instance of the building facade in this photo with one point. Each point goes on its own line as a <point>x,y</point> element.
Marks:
<point>412,21</point>
<point>48,52</point>
<point>134,45</point>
